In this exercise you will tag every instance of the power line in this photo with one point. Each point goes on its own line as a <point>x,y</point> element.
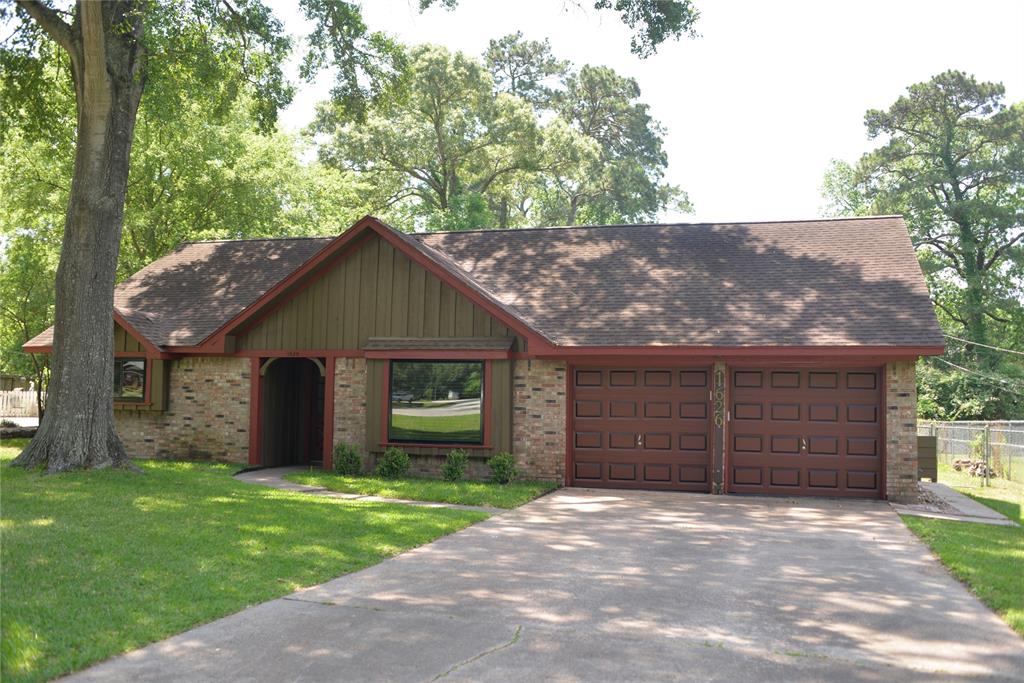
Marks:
<point>1019,389</point>
<point>986,346</point>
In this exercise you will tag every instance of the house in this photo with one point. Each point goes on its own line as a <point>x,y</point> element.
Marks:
<point>774,357</point>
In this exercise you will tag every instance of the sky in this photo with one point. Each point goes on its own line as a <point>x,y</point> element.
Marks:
<point>756,107</point>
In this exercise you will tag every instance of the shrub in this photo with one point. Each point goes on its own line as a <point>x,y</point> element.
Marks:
<point>503,468</point>
<point>393,464</point>
<point>347,459</point>
<point>455,465</point>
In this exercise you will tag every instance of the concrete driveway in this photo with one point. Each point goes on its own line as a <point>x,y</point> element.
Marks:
<point>586,585</point>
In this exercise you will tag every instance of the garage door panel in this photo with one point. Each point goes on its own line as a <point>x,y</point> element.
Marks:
<point>786,412</point>
<point>785,444</point>
<point>622,408</point>
<point>747,411</point>
<point>693,410</point>
<point>622,378</point>
<point>658,473</point>
<point>746,476</point>
<point>641,428</point>
<point>659,410</point>
<point>693,474</point>
<point>862,412</point>
<point>693,442</point>
<point>622,471</point>
<point>622,440</point>
<point>822,479</point>
<point>785,477</point>
<point>587,470</point>
<point>746,443</point>
<point>819,432</point>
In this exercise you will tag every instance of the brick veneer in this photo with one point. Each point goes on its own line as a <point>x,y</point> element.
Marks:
<point>350,401</point>
<point>901,430</point>
<point>538,418</point>
<point>207,414</point>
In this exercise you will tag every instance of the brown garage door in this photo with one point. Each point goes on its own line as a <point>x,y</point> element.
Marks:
<point>641,428</point>
<point>806,432</point>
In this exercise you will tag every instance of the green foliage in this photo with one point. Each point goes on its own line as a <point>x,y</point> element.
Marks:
<point>348,459</point>
<point>524,141</point>
<point>194,176</point>
<point>454,468</point>
<point>946,393</point>
<point>393,464</point>
<point>197,544</point>
<point>952,163</point>
<point>503,468</point>
<point>654,21</point>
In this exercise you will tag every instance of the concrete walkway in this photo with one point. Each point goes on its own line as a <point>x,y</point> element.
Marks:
<point>954,506</point>
<point>585,585</point>
<point>274,478</point>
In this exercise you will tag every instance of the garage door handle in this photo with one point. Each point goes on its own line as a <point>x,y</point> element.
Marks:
<point>804,442</point>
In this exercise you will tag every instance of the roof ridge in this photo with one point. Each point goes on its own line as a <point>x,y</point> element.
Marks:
<point>259,239</point>
<point>835,219</point>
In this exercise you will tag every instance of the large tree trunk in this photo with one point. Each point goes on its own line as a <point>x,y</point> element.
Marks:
<point>77,430</point>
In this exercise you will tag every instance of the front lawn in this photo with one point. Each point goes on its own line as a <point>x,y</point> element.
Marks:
<point>96,564</point>
<point>461,492</point>
<point>989,559</point>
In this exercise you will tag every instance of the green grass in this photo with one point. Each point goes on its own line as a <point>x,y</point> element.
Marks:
<point>436,490</point>
<point>95,564</point>
<point>989,559</point>
<point>450,428</point>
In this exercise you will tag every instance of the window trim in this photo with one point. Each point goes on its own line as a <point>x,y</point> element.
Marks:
<point>485,406</point>
<point>146,378</point>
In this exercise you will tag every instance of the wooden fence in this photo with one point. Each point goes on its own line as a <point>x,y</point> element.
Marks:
<point>19,403</point>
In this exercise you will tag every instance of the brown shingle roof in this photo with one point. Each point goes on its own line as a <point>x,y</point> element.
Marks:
<point>182,298</point>
<point>805,283</point>
<point>841,282</point>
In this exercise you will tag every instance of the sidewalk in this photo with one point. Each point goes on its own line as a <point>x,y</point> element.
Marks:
<point>952,505</point>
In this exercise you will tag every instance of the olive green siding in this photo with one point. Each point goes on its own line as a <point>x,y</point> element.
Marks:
<point>126,343</point>
<point>499,394</point>
<point>374,292</point>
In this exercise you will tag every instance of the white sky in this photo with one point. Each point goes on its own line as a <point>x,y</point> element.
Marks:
<point>757,106</point>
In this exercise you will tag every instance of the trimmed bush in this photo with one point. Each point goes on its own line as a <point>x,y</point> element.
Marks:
<point>454,467</point>
<point>503,468</point>
<point>347,459</point>
<point>394,464</point>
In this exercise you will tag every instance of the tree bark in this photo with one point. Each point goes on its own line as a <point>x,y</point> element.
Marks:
<point>77,430</point>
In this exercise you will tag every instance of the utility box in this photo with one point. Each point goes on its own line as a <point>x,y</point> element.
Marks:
<point>928,457</point>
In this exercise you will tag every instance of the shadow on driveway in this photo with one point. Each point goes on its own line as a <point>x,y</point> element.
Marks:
<point>585,585</point>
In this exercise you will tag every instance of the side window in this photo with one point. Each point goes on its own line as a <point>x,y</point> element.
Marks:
<point>129,379</point>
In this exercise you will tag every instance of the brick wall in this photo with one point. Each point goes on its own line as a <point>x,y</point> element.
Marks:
<point>901,430</point>
<point>538,418</point>
<point>350,401</point>
<point>207,413</point>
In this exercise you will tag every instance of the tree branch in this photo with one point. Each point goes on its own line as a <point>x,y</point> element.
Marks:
<point>51,22</point>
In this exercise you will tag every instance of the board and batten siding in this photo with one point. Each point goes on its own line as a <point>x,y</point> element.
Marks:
<point>375,291</point>
<point>126,343</point>
<point>499,394</point>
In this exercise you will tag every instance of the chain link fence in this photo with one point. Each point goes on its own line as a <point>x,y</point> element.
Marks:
<point>1000,444</point>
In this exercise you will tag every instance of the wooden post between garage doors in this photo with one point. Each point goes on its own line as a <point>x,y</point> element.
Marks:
<point>719,416</point>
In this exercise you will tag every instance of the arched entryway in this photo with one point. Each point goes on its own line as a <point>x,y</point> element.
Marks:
<point>292,411</point>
